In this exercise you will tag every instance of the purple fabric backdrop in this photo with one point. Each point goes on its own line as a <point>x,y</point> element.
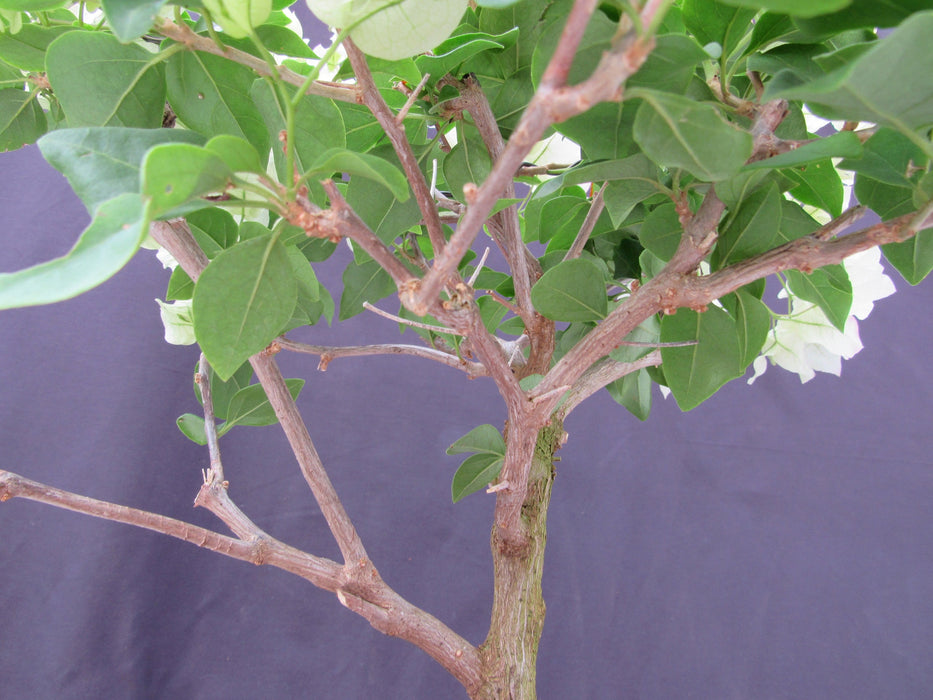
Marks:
<point>774,543</point>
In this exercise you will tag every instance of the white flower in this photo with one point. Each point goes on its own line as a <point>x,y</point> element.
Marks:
<point>176,317</point>
<point>329,69</point>
<point>805,342</point>
<point>166,258</point>
<point>556,149</point>
<point>869,283</point>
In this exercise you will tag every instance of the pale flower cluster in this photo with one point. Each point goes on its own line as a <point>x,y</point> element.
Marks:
<point>805,342</point>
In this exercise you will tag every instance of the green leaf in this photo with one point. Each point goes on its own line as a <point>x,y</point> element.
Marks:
<point>752,322</point>
<point>130,19</point>
<point>485,439</point>
<point>467,162</point>
<point>860,13</point>
<point>661,231</point>
<point>889,157</point>
<point>474,474</point>
<point>102,162</point>
<point>819,185</point>
<point>828,287</point>
<point>675,131</point>
<point>751,229</point>
<point>319,126</point>
<point>864,90</point>
<point>844,144</point>
<point>105,246</point>
<point>100,82</point>
<point>30,5</point>
<point>716,22</point>
<point>212,95</point>
<point>250,405</point>
<point>573,290</point>
<point>176,173</point>
<point>386,215</point>
<point>362,165</point>
<point>648,332</point>
<point>192,427</point>
<point>633,391</point>
<point>237,153</point>
<point>671,65</point>
<point>241,302</point>
<point>26,49</point>
<point>800,8</point>
<point>912,258</point>
<point>452,52</point>
<point>22,120</point>
<point>363,282</point>
<point>222,392</point>
<point>279,40</point>
<point>696,372</point>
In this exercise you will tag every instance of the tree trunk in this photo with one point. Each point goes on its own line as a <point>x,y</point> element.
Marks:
<point>509,654</point>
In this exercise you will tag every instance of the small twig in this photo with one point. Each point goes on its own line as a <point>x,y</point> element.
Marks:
<point>548,394</point>
<point>479,267</point>
<point>203,380</point>
<point>529,170</point>
<point>840,223</point>
<point>371,97</point>
<point>328,353</point>
<point>184,35</point>
<point>409,322</point>
<point>495,488</point>
<point>592,216</point>
<point>502,300</point>
<point>602,373</point>
<point>403,112</point>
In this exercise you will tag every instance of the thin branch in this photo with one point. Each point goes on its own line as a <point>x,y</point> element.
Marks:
<point>358,585</point>
<point>656,295</point>
<point>479,268</point>
<point>504,224</point>
<point>599,375</point>
<point>805,254</point>
<point>592,216</point>
<point>178,241</point>
<point>268,373</point>
<point>373,100</point>
<point>403,112</point>
<point>321,572</point>
<point>203,380</point>
<point>551,103</point>
<point>328,353</point>
<point>184,35</point>
<point>340,221</point>
<point>409,322</point>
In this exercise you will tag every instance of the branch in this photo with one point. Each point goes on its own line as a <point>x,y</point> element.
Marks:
<point>173,238</point>
<point>321,572</point>
<point>552,102</point>
<point>592,216</point>
<point>805,254</point>
<point>396,133</point>
<point>599,375</point>
<point>358,587</point>
<point>184,35</point>
<point>656,295</point>
<point>504,224</point>
<point>329,353</point>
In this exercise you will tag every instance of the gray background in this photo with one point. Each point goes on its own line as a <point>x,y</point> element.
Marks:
<point>773,543</point>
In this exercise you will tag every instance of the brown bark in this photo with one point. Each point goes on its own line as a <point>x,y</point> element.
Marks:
<point>509,654</point>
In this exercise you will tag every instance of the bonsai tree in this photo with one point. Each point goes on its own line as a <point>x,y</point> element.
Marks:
<point>557,198</point>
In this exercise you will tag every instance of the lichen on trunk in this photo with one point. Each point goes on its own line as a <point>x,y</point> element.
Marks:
<point>509,654</point>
